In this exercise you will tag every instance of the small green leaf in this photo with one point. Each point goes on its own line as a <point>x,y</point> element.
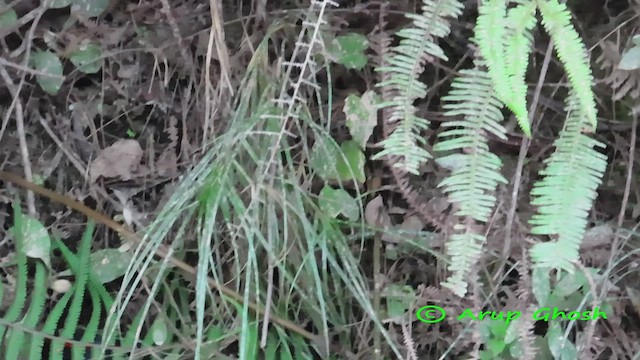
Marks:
<point>344,163</point>
<point>109,264</point>
<point>37,243</point>
<point>560,347</point>
<point>87,58</point>
<point>48,63</point>
<point>271,351</point>
<point>515,350</point>
<point>570,283</point>
<point>90,8</point>
<point>499,329</point>
<point>398,298</point>
<point>540,285</point>
<point>513,331</point>
<point>337,201</point>
<point>484,328</point>
<point>496,346</point>
<point>348,50</point>
<point>159,331</point>
<point>38,179</point>
<point>324,158</point>
<point>630,59</point>
<point>7,19</point>
<point>58,4</point>
<point>354,164</point>
<point>362,116</point>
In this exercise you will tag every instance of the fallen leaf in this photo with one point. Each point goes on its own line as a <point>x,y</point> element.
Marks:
<point>118,160</point>
<point>597,236</point>
<point>167,163</point>
<point>376,215</point>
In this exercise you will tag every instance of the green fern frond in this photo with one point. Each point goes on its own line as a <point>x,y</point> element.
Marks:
<point>477,175</point>
<point>404,66</point>
<point>471,183</point>
<point>520,22</point>
<point>556,20</point>
<point>566,193</point>
<point>490,35</point>
<point>504,41</point>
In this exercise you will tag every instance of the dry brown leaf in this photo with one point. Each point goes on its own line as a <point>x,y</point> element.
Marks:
<point>411,224</point>
<point>118,160</point>
<point>376,215</point>
<point>167,163</point>
<point>597,236</point>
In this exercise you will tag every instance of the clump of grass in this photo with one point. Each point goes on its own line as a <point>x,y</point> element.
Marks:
<point>258,229</point>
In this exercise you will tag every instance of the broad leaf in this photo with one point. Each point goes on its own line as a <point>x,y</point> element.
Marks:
<point>540,285</point>
<point>8,18</point>
<point>353,167</point>
<point>48,63</point>
<point>630,59</point>
<point>87,58</point>
<point>399,299</point>
<point>109,264</point>
<point>344,163</point>
<point>348,50</point>
<point>58,4</point>
<point>37,243</point>
<point>561,347</point>
<point>362,116</point>
<point>337,201</point>
<point>90,8</point>
<point>159,331</point>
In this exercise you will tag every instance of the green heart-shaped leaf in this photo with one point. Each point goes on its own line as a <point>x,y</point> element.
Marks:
<point>48,63</point>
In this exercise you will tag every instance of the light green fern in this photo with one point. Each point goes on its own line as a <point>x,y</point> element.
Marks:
<point>472,183</point>
<point>574,171</point>
<point>567,191</point>
<point>556,19</point>
<point>404,66</point>
<point>520,22</point>
<point>504,40</point>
